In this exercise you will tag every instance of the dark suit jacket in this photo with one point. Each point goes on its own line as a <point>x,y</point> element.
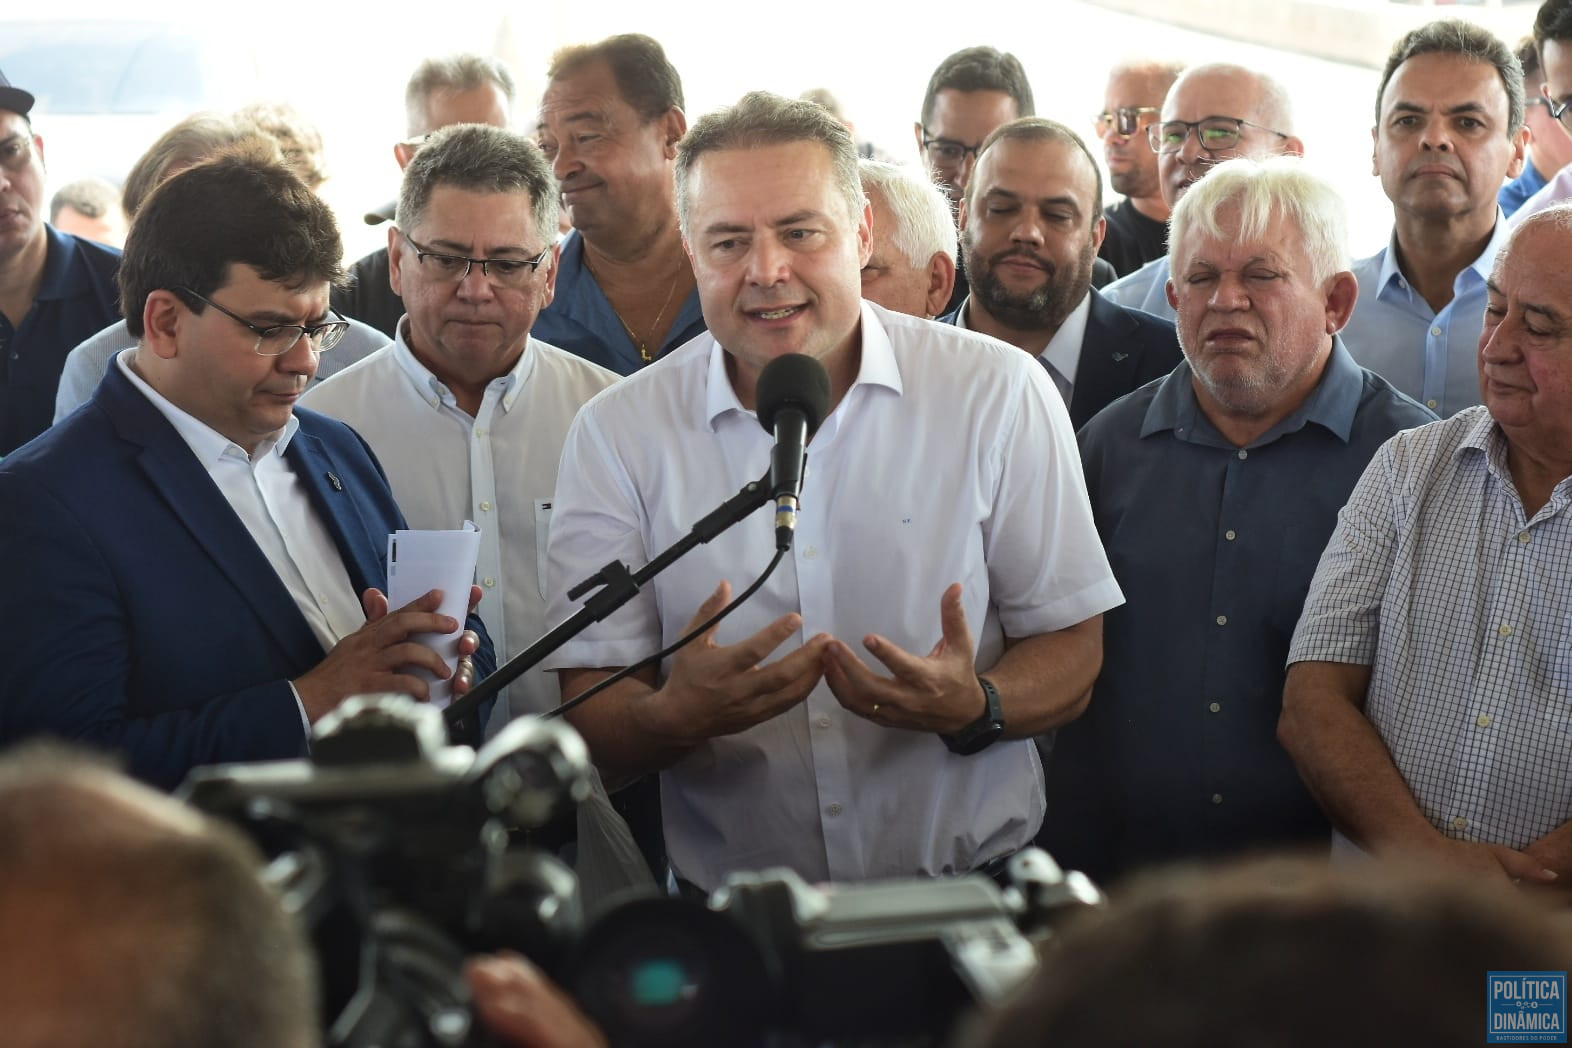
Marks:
<point>139,614</point>
<point>1122,351</point>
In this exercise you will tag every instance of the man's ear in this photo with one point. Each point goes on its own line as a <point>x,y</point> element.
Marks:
<point>162,315</point>
<point>395,260</point>
<point>675,124</point>
<point>403,152</point>
<point>941,283</point>
<point>551,275</point>
<point>1342,292</point>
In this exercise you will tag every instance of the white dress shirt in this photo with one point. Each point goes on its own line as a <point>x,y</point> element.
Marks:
<point>950,459</point>
<point>498,469</point>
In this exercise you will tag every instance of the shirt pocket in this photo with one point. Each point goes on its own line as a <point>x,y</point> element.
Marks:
<point>542,534</point>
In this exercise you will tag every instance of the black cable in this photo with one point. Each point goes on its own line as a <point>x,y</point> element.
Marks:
<point>680,642</point>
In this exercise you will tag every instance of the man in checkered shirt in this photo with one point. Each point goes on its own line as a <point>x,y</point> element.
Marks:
<point>1429,696</point>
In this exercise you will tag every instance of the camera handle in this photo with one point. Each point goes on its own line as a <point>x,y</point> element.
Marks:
<point>617,585</point>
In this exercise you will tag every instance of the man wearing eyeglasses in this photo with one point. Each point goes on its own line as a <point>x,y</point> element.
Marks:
<point>457,89</point>
<point>971,93</point>
<point>1550,148</point>
<point>1553,39</point>
<point>55,289</point>
<point>1449,131</point>
<point>1138,224</point>
<point>465,410</point>
<point>1212,113</point>
<point>195,570</point>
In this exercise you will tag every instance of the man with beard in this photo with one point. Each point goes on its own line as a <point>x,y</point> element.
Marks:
<point>1031,224</point>
<point>1199,488</point>
<point>1212,113</point>
<point>1449,130</point>
<point>1138,224</point>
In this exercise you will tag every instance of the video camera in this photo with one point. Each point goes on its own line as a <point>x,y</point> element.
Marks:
<point>404,855</point>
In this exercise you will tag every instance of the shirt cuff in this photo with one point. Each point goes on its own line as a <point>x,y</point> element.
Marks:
<point>305,722</point>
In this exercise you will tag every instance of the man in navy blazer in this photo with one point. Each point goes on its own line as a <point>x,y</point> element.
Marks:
<point>194,570</point>
<point>1031,224</point>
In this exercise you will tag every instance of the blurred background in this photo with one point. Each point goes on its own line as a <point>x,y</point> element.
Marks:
<point>107,85</point>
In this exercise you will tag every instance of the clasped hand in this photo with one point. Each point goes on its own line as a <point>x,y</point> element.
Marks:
<point>722,690</point>
<point>378,656</point>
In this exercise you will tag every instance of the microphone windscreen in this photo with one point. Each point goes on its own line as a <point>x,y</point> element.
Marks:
<point>795,380</point>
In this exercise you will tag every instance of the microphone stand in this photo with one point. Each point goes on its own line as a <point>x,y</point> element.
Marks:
<point>618,585</point>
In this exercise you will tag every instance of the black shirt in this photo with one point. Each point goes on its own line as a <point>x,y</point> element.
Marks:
<point>1132,239</point>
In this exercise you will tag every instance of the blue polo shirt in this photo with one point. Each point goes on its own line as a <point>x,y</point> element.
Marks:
<point>1515,192</point>
<point>78,298</point>
<point>580,318</point>
<point>1214,546</point>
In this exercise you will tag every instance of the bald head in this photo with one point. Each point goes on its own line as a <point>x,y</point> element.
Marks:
<point>130,920</point>
<point>1244,100</point>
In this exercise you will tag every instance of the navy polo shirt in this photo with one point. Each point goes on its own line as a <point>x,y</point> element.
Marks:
<point>580,318</point>
<point>1214,547</point>
<point>78,298</point>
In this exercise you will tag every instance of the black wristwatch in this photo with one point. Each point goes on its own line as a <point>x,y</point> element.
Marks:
<point>982,732</point>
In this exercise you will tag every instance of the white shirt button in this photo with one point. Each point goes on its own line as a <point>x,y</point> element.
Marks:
<point>1217,798</point>
<point>490,582</point>
<point>1525,538</point>
<point>824,722</point>
<point>1460,823</point>
<point>1505,630</point>
<point>1483,720</point>
<point>1229,534</point>
<point>1436,331</point>
<point>1216,707</point>
<point>1431,404</point>
<point>485,507</point>
<point>480,431</point>
<point>834,809</point>
<point>1243,453</point>
<point>1222,620</point>
<point>811,553</point>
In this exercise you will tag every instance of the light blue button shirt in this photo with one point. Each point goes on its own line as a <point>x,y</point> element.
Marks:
<point>1146,289</point>
<point>1433,357</point>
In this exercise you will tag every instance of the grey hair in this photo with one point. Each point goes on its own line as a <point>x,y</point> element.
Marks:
<point>92,197</point>
<point>1262,190</point>
<point>479,159</point>
<point>464,72</point>
<point>924,224</point>
<point>762,119</point>
<point>1454,36</point>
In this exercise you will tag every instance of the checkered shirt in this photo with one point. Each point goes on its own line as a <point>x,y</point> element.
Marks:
<point>1463,609</point>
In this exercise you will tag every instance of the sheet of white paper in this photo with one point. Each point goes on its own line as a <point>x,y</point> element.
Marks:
<point>421,561</point>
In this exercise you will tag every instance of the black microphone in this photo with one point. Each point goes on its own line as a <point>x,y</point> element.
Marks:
<point>793,396</point>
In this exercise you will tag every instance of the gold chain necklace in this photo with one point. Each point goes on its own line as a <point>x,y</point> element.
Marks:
<point>639,343</point>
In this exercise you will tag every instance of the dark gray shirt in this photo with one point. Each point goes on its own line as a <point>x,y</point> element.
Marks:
<point>1214,546</point>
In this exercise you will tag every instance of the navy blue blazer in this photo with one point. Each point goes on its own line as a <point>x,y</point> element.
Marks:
<point>139,614</point>
<point>1123,350</point>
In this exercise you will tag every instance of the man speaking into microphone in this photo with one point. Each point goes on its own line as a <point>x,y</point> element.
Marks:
<point>867,712</point>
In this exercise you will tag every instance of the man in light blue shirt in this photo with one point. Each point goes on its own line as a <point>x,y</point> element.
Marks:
<point>1449,131</point>
<point>1213,113</point>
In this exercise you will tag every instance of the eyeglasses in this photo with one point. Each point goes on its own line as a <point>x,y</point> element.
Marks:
<point>1126,120</point>
<point>1213,134</point>
<point>948,152</point>
<point>278,339</point>
<point>1559,111</point>
<point>1536,102</point>
<point>501,272</point>
<point>16,153</point>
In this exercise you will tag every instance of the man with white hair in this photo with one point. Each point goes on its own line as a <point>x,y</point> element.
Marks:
<point>911,268</point>
<point>1212,113</point>
<point>1429,695</point>
<point>1198,485</point>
